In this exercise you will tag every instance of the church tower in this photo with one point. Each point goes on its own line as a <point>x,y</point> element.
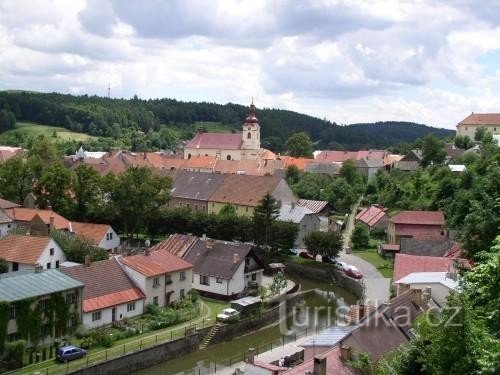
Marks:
<point>251,132</point>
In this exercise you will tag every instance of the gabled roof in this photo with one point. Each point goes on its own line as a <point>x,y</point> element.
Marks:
<point>325,168</point>
<point>419,218</point>
<point>481,119</point>
<point>94,233</point>
<point>314,206</point>
<point>334,365</point>
<point>22,249</point>
<point>4,218</point>
<point>222,260</point>
<point>200,162</point>
<point>27,214</point>
<point>7,204</point>
<point>106,284</point>
<point>293,212</point>
<point>177,244</point>
<point>330,336</point>
<point>300,163</point>
<point>430,278</point>
<point>156,263</point>
<point>341,156</point>
<point>371,215</point>
<point>426,247</point>
<point>245,190</point>
<point>22,285</point>
<point>406,264</point>
<point>224,141</point>
<point>196,185</point>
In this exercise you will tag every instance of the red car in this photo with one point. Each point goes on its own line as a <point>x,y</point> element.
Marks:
<point>353,272</point>
<point>306,255</point>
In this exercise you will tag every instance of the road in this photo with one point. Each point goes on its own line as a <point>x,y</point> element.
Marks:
<point>376,286</point>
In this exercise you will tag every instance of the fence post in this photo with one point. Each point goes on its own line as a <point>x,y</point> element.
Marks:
<point>171,335</point>
<point>140,344</point>
<point>123,348</point>
<point>106,351</point>
<point>87,361</point>
<point>156,339</point>
<point>67,367</point>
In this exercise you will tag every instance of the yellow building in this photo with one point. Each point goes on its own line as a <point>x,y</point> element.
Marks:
<point>489,121</point>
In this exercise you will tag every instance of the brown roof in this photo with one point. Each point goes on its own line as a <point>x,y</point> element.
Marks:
<point>405,264</point>
<point>224,141</point>
<point>176,244</point>
<point>334,365</point>
<point>106,284</point>
<point>419,217</point>
<point>156,263</point>
<point>7,204</point>
<point>427,247</point>
<point>200,162</point>
<point>4,218</point>
<point>22,249</point>
<point>481,119</point>
<point>371,215</point>
<point>27,214</point>
<point>92,232</point>
<point>195,185</point>
<point>245,190</point>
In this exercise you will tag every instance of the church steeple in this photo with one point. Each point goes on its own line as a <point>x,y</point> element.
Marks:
<point>251,130</point>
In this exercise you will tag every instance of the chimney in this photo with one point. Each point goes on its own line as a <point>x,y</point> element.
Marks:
<point>146,252</point>
<point>427,295</point>
<point>236,258</point>
<point>251,355</point>
<point>403,288</point>
<point>88,261</point>
<point>51,225</point>
<point>417,296</point>
<point>38,268</point>
<point>320,365</point>
<point>204,237</point>
<point>345,353</point>
<point>210,243</point>
<point>144,156</point>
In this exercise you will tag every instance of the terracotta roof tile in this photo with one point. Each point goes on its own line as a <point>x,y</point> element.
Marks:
<point>27,214</point>
<point>92,232</point>
<point>334,365</point>
<point>371,215</point>
<point>481,119</point>
<point>200,162</point>
<point>177,244</point>
<point>245,190</point>
<point>419,217</point>
<point>300,163</point>
<point>7,204</point>
<point>341,156</point>
<point>156,263</point>
<point>225,141</point>
<point>22,249</point>
<point>406,264</point>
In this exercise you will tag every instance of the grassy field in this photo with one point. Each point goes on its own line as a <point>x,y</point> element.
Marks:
<point>385,266</point>
<point>48,131</point>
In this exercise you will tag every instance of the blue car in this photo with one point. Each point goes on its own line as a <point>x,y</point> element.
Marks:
<point>69,352</point>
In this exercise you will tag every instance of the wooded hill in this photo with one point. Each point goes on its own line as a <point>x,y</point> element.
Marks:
<point>100,116</point>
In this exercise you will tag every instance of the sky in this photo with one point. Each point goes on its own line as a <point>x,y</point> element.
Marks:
<point>431,62</point>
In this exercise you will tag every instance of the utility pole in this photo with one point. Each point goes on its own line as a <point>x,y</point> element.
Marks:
<point>109,90</point>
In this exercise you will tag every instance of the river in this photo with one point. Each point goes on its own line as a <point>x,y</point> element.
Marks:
<point>205,361</point>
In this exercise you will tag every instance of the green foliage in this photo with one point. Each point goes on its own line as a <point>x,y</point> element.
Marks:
<point>326,244</point>
<point>76,248</point>
<point>61,311</point>
<point>463,142</point>
<point>292,175</point>
<point>360,237</point>
<point>7,120</point>
<point>279,283</point>
<point>17,175</point>
<point>4,266</point>
<point>4,320</point>
<point>13,355</point>
<point>284,235</point>
<point>299,145</point>
<point>480,134</point>
<point>363,363</point>
<point>53,189</point>
<point>265,214</point>
<point>433,152</point>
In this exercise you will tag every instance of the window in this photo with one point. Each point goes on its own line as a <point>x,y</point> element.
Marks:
<point>218,280</point>
<point>188,205</point>
<point>246,209</point>
<point>182,276</point>
<point>130,306</point>
<point>181,293</point>
<point>15,266</point>
<point>12,312</point>
<point>156,282</point>
<point>254,277</point>
<point>96,316</point>
<point>155,300</point>
<point>228,157</point>
<point>70,298</point>
<point>12,337</point>
<point>8,225</point>
<point>204,280</point>
<point>249,135</point>
<point>51,251</point>
<point>110,236</point>
<point>168,279</point>
<point>48,266</point>
<point>44,305</point>
<point>57,264</point>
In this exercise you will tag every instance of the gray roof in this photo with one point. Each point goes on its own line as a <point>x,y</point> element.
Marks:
<point>429,278</point>
<point>407,165</point>
<point>326,168</point>
<point>435,248</point>
<point>21,285</point>
<point>196,185</point>
<point>330,336</point>
<point>369,163</point>
<point>4,218</point>
<point>293,212</point>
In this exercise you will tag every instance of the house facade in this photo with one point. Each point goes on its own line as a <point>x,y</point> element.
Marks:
<point>306,220</point>
<point>438,285</point>
<point>100,235</point>
<point>416,224</point>
<point>41,287</point>
<point>469,125</point>
<point>162,277</point>
<point>6,224</point>
<point>24,253</point>
<point>109,295</point>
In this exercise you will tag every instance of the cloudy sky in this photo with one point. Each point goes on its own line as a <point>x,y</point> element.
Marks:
<point>348,61</point>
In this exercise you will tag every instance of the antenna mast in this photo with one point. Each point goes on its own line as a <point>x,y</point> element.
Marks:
<point>109,90</point>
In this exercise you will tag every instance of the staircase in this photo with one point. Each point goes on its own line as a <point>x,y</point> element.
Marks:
<point>209,336</point>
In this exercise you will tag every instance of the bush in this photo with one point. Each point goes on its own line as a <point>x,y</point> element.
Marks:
<point>152,309</point>
<point>360,237</point>
<point>13,354</point>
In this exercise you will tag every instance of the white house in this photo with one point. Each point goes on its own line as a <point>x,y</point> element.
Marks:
<point>305,218</point>
<point>109,295</point>
<point>24,252</point>
<point>100,235</point>
<point>6,224</point>
<point>163,277</point>
<point>439,284</point>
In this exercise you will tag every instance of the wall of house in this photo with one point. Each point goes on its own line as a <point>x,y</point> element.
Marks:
<point>308,224</point>
<point>111,244</point>
<point>284,193</point>
<point>470,130</point>
<point>46,258</point>
<point>6,228</point>
<point>215,207</point>
<point>193,204</point>
<point>138,279</point>
<point>418,231</point>
<point>439,292</point>
<point>106,315</point>
<point>178,284</point>
<point>227,287</point>
<point>248,277</point>
<point>218,153</point>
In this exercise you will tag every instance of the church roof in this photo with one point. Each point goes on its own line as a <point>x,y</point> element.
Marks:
<point>223,141</point>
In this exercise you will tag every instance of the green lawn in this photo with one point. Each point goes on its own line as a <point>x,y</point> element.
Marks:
<point>385,266</point>
<point>32,129</point>
<point>308,262</point>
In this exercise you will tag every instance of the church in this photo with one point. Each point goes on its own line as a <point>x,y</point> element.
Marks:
<point>243,145</point>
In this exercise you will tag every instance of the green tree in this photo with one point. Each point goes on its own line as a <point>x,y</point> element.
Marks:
<point>279,283</point>
<point>53,189</point>
<point>76,248</point>
<point>7,120</point>
<point>292,175</point>
<point>86,183</point>
<point>432,151</point>
<point>16,179</point>
<point>463,141</point>
<point>360,237</point>
<point>265,214</point>
<point>351,173</point>
<point>326,244</point>
<point>299,145</point>
<point>341,195</point>
<point>4,266</point>
<point>480,133</point>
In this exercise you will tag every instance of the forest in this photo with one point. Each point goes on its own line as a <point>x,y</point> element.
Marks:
<point>159,123</point>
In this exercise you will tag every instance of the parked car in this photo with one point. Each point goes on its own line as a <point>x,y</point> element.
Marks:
<point>353,272</point>
<point>340,265</point>
<point>228,315</point>
<point>69,353</point>
<point>306,255</point>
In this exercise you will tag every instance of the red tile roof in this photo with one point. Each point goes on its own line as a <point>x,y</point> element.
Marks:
<point>92,232</point>
<point>300,163</point>
<point>106,284</point>
<point>341,156</point>
<point>176,244</point>
<point>314,206</point>
<point>27,214</point>
<point>419,217</point>
<point>200,162</point>
<point>22,249</point>
<point>334,365</point>
<point>371,215</point>
<point>481,119</point>
<point>156,263</point>
<point>406,264</point>
<point>7,204</point>
<point>224,141</point>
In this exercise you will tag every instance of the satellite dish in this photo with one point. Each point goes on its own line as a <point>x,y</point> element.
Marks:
<point>147,243</point>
